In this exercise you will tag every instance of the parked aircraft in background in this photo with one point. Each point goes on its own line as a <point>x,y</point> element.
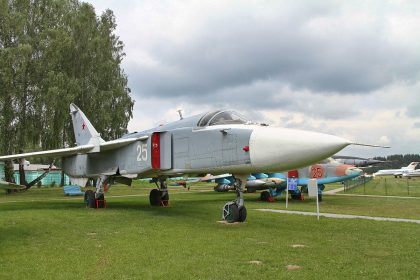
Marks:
<point>357,161</point>
<point>214,142</point>
<point>326,172</point>
<point>397,172</point>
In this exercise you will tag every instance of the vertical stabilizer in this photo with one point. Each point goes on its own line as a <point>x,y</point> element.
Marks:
<point>84,131</point>
<point>412,166</point>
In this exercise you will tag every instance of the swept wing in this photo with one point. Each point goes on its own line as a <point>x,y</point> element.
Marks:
<point>83,149</point>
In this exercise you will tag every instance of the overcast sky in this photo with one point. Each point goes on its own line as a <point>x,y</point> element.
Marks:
<point>348,68</point>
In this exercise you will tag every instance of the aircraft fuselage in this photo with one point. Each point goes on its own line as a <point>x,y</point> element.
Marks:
<point>237,149</point>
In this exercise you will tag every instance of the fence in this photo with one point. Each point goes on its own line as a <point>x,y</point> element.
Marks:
<point>387,186</point>
<point>356,182</point>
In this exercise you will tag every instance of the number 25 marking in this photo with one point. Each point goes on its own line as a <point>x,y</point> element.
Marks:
<point>142,152</point>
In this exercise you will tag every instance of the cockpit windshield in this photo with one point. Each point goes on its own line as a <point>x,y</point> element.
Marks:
<point>221,117</point>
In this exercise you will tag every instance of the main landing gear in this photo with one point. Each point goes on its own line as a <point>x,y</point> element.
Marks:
<point>235,211</point>
<point>97,199</point>
<point>159,196</point>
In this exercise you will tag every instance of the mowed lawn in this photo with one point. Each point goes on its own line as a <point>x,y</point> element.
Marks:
<point>44,235</point>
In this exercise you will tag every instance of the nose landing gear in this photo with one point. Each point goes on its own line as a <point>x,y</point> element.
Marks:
<point>235,211</point>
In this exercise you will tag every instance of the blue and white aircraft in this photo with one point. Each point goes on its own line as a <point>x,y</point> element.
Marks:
<point>327,172</point>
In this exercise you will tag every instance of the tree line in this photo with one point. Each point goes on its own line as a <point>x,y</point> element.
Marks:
<point>52,53</point>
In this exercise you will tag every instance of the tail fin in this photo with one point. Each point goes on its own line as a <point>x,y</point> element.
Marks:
<point>412,165</point>
<point>84,131</point>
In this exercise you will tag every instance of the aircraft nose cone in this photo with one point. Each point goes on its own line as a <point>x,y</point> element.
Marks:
<point>280,149</point>
<point>353,171</point>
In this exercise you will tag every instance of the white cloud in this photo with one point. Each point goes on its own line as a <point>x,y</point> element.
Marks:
<point>347,68</point>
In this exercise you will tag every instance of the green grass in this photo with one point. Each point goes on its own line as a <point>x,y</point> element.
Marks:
<point>45,237</point>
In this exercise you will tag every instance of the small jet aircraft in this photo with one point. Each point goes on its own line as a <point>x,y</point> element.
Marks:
<point>357,161</point>
<point>215,142</point>
<point>397,172</point>
<point>326,172</point>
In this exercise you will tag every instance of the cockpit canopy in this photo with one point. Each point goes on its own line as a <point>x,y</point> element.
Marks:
<point>221,117</point>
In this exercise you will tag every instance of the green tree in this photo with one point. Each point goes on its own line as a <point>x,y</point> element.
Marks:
<point>52,53</point>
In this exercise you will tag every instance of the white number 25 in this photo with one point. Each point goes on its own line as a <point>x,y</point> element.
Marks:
<point>142,152</point>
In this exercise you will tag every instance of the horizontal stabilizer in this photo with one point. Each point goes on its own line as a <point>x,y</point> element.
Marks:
<point>10,186</point>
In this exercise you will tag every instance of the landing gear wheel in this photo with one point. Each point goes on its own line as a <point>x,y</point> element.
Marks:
<point>155,197</point>
<point>231,212</point>
<point>90,199</point>
<point>297,196</point>
<point>242,214</point>
<point>319,197</point>
<point>265,196</point>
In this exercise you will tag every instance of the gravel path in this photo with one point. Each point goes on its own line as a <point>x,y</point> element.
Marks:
<point>341,216</point>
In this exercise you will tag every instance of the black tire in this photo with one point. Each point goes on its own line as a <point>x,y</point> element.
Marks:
<point>295,196</point>
<point>232,212</point>
<point>155,197</point>
<point>242,214</point>
<point>320,197</point>
<point>265,195</point>
<point>90,199</point>
<point>321,187</point>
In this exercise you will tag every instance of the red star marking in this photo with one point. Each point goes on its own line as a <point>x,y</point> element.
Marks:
<point>83,126</point>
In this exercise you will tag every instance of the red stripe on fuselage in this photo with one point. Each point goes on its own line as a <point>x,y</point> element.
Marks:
<point>156,150</point>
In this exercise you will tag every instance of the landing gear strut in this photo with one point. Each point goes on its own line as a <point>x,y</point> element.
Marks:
<point>235,211</point>
<point>97,199</point>
<point>159,196</point>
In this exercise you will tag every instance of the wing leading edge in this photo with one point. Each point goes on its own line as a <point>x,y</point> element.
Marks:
<point>83,149</point>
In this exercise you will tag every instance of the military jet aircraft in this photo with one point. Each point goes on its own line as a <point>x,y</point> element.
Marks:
<point>215,142</point>
<point>326,172</point>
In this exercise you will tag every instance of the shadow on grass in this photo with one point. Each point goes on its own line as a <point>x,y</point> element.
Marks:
<point>194,206</point>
